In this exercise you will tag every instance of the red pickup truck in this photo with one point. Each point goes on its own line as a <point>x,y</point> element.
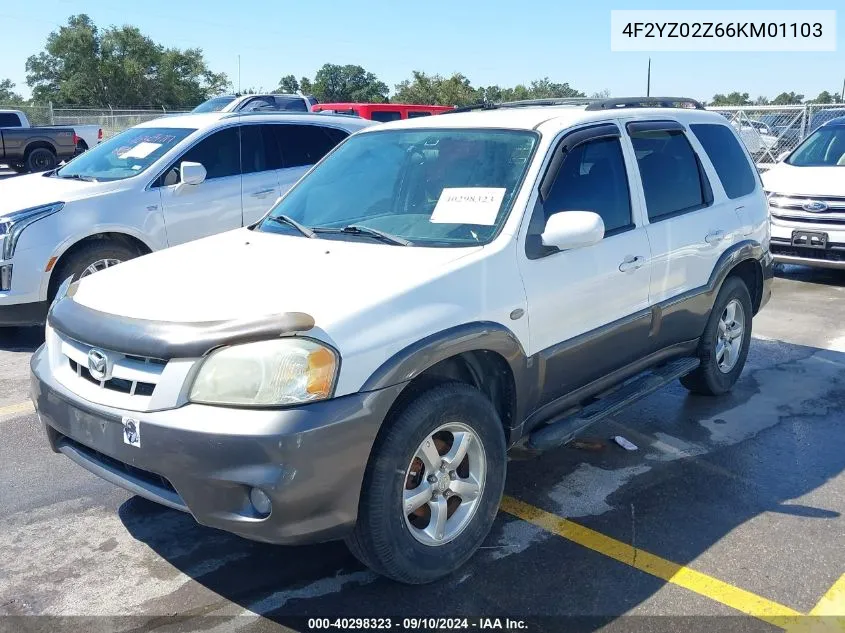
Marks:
<point>382,111</point>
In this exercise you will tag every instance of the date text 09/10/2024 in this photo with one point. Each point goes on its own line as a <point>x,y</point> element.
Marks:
<point>416,624</point>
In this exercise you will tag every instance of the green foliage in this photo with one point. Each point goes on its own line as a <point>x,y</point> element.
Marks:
<point>334,83</point>
<point>824,97</point>
<point>732,99</point>
<point>7,94</point>
<point>120,66</point>
<point>787,98</point>
<point>288,84</point>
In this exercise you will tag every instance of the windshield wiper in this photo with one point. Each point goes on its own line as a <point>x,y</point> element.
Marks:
<point>357,229</point>
<point>284,219</point>
<point>77,177</point>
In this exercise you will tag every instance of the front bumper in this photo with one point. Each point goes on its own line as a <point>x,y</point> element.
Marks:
<point>309,460</point>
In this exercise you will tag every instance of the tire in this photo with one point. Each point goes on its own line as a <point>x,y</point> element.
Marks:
<point>40,159</point>
<point>384,538</point>
<point>709,378</point>
<point>81,146</point>
<point>77,262</point>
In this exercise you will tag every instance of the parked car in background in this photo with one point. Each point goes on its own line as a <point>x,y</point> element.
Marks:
<point>34,149</point>
<point>253,102</point>
<point>357,364</point>
<point>382,111</point>
<point>87,136</point>
<point>806,193</point>
<point>164,182</point>
<point>756,135</point>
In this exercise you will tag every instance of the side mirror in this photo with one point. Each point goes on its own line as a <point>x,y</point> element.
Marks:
<point>192,173</point>
<point>782,156</point>
<point>573,229</point>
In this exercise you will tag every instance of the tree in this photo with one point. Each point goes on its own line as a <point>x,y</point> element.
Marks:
<point>7,94</point>
<point>118,66</point>
<point>787,98</point>
<point>761,100</point>
<point>334,83</point>
<point>824,97</point>
<point>601,94</point>
<point>732,99</point>
<point>306,86</point>
<point>288,84</point>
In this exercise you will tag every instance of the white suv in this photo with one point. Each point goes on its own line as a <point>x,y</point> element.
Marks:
<point>435,291</point>
<point>161,183</point>
<point>807,200</point>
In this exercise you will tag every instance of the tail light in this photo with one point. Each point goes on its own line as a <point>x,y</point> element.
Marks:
<point>100,134</point>
<point>75,139</point>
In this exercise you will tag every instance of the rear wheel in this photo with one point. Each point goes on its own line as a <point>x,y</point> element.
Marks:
<point>432,487</point>
<point>723,348</point>
<point>40,159</point>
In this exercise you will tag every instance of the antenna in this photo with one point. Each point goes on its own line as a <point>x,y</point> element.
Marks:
<point>239,74</point>
<point>648,81</point>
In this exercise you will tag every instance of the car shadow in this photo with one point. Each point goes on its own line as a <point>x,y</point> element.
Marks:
<point>21,339</point>
<point>708,473</point>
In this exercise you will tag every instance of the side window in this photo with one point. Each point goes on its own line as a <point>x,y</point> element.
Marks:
<point>672,177</point>
<point>218,153</point>
<point>592,177</point>
<point>335,135</point>
<point>256,149</point>
<point>303,144</point>
<point>418,113</point>
<point>386,115</point>
<point>259,103</point>
<point>728,158</point>
<point>9,119</point>
<point>295,104</point>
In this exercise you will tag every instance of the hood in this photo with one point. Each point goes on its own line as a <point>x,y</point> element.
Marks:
<point>805,181</point>
<point>245,274</point>
<point>33,190</point>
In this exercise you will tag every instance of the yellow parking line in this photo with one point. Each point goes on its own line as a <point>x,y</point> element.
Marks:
<point>702,584</point>
<point>833,602</point>
<point>15,409</point>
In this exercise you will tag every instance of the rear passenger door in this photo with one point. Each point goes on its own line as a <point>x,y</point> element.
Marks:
<point>301,146</point>
<point>260,164</point>
<point>689,228</point>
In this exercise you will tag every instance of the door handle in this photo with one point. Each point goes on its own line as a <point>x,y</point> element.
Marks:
<point>263,193</point>
<point>714,237</point>
<point>631,263</point>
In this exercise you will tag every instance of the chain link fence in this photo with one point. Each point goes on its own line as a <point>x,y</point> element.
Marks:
<point>111,120</point>
<point>769,131</point>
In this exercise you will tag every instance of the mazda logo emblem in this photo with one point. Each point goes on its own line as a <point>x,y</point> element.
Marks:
<point>814,206</point>
<point>98,365</point>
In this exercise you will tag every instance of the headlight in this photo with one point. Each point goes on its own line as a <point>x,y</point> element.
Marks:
<point>13,224</point>
<point>266,373</point>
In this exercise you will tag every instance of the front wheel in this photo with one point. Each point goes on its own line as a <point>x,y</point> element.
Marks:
<point>723,348</point>
<point>432,486</point>
<point>88,259</point>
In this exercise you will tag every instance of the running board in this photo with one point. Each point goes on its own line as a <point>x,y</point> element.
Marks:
<point>566,429</point>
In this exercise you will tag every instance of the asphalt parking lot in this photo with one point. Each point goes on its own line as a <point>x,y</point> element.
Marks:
<point>730,507</point>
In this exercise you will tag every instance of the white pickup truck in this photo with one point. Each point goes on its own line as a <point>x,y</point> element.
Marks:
<point>87,136</point>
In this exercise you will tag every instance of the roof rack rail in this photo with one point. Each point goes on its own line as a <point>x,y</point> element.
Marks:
<point>524,103</point>
<point>230,115</point>
<point>645,102</point>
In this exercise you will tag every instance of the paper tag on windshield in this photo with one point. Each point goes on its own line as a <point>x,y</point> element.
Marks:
<point>141,150</point>
<point>468,205</point>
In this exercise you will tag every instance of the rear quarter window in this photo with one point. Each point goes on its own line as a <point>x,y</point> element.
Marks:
<point>728,158</point>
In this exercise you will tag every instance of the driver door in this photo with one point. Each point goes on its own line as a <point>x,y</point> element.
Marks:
<point>195,211</point>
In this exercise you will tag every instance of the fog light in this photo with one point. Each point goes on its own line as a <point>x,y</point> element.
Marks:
<point>6,278</point>
<point>260,501</point>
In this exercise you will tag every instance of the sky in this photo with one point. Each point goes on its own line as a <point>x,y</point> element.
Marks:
<point>502,42</point>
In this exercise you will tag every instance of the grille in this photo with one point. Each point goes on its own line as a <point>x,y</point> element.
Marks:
<point>132,379</point>
<point>791,207</point>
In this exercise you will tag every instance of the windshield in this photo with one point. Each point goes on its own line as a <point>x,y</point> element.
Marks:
<point>214,105</point>
<point>127,154</point>
<point>823,148</point>
<point>430,187</point>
